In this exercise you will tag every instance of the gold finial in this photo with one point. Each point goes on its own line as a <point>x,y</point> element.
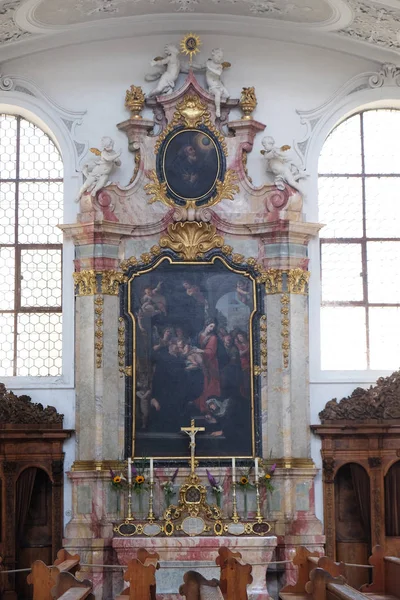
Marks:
<point>248,102</point>
<point>190,45</point>
<point>134,100</point>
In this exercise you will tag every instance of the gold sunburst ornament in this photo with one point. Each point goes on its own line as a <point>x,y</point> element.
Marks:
<point>190,45</point>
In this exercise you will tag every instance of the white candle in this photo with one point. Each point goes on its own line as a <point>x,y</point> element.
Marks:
<point>256,468</point>
<point>233,470</point>
<point>129,470</point>
<point>151,470</point>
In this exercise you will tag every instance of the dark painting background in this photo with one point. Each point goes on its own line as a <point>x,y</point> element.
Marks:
<point>193,360</point>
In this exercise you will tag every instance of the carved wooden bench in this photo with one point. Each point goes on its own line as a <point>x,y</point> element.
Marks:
<point>306,561</point>
<point>324,586</point>
<point>235,574</point>
<point>141,575</point>
<point>69,588</point>
<point>44,577</point>
<point>385,576</point>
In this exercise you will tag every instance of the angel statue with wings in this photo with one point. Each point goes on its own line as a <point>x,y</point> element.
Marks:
<point>168,69</point>
<point>97,171</point>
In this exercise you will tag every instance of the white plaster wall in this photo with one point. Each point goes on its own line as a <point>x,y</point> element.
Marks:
<point>95,76</point>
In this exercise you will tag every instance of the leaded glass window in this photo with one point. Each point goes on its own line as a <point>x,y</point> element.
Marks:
<point>31,206</point>
<point>359,203</point>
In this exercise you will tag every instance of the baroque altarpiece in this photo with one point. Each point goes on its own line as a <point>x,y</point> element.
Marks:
<point>191,307</point>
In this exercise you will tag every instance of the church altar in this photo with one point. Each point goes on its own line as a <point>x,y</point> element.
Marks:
<point>191,289</point>
<point>195,553</point>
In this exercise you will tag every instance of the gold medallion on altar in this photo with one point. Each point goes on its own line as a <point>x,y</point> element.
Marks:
<point>190,45</point>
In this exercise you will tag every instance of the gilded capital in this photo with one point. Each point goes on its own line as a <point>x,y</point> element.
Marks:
<point>297,281</point>
<point>86,283</point>
<point>110,281</point>
<point>272,278</point>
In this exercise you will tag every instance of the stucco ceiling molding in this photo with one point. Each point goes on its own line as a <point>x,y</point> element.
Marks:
<point>69,120</point>
<point>9,29</point>
<point>313,120</point>
<point>374,23</point>
<point>324,15</point>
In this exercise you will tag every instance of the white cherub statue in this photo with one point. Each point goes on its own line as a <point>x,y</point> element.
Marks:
<point>98,171</point>
<point>281,165</point>
<point>214,68</point>
<point>167,74</point>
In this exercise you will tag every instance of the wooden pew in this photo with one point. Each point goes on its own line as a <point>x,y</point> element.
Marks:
<point>44,578</point>
<point>141,575</point>
<point>385,576</point>
<point>69,588</point>
<point>306,561</point>
<point>323,586</point>
<point>235,574</point>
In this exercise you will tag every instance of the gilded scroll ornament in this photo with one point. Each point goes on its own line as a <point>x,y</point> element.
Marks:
<point>285,329</point>
<point>191,239</point>
<point>227,250</point>
<point>121,346</point>
<point>157,190</point>
<point>86,283</point>
<point>297,281</point>
<point>238,258</point>
<point>110,281</point>
<point>98,333</point>
<point>129,262</point>
<point>134,101</point>
<point>248,102</point>
<point>191,112</point>
<point>262,369</point>
<point>226,189</point>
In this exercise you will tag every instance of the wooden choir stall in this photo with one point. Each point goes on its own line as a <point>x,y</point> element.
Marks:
<point>361,473</point>
<point>31,488</point>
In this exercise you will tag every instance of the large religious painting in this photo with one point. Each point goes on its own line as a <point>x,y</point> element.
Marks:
<point>193,329</point>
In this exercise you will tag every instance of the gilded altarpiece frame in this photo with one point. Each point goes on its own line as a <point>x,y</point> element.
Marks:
<point>192,343</point>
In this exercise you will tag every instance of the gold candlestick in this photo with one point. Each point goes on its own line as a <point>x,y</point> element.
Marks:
<point>235,516</point>
<point>130,516</point>
<point>151,516</point>
<point>259,516</point>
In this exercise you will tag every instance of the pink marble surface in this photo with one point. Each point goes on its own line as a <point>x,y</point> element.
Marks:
<point>193,551</point>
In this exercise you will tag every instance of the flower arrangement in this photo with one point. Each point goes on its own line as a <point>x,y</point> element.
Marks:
<point>244,479</point>
<point>168,488</point>
<point>118,482</point>
<point>138,478</point>
<point>265,480</point>
<point>216,488</point>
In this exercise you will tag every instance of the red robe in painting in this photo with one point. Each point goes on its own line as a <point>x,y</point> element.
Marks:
<point>212,387</point>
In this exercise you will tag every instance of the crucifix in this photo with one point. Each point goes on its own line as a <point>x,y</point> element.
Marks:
<point>191,431</point>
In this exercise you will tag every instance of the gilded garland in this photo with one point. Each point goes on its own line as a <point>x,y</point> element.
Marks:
<point>191,160</point>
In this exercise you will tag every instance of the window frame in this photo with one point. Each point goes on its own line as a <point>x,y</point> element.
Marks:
<point>346,375</point>
<point>18,248</point>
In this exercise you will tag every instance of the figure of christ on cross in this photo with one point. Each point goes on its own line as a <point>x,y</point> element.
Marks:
<point>191,431</point>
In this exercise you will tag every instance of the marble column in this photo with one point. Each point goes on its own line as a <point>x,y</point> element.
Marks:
<point>285,393</point>
<point>99,349</point>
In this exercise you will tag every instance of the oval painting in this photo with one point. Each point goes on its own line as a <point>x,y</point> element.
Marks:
<point>191,164</point>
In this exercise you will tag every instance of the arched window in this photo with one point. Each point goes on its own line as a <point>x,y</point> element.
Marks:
<point>359,203</point>
<point>31,207</point>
